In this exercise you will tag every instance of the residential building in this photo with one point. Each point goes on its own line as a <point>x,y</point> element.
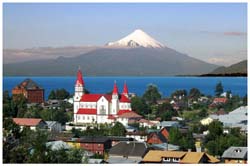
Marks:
<point>127,152</point>
<point>236,118</point>
<point>101,108</point>
<point>94,144</point>
<point>235,155</point>
<point>54,126</point>
<point>30,90</point>
<point>159,156</point>
<point>140,136</point>
<point>158,137</point>
<point>116,139</point>
<point>32,123</point>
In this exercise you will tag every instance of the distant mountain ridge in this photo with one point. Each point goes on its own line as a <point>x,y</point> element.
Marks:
<point>137,54</point>
<point>240,67</point>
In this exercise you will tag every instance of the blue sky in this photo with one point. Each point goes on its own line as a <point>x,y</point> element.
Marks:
<point>214,32</point>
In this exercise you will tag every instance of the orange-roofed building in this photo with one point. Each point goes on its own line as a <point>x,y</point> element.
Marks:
<point>181,157</point>
<point>32,123</point>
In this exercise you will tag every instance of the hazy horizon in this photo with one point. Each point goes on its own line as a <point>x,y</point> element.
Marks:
<point>212,32</point>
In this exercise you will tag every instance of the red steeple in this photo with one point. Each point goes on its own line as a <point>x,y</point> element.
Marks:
<point>79,80</point>
<point>125,89</point>
<point>115,90</point>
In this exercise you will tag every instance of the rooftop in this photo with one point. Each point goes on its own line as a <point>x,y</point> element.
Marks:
<point>27,121</point>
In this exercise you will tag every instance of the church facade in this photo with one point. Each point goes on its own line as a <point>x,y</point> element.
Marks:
<point>101,108</point>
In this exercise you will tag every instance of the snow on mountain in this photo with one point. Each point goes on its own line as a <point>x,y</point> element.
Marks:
<point>138,38</point>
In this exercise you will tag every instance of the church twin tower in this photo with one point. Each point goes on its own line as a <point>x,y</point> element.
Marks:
<point>99,108</point>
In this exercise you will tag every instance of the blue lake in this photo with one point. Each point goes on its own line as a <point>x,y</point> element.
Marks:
<point>138,85</point>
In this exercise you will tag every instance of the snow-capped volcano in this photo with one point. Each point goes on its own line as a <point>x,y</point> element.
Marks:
<point>138,38</point>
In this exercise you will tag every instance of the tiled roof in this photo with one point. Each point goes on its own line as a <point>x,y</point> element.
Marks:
<point>195,158</point>
<point>124,99</point>
<point>235,152</point>
<point>28,84</point>
<point>120,112</point>
<point>27,121</point>
<point>156,155</point>
<point>87,111</point>
<point>220,100</point>
<point>91,97</point>
<point>130,114</point>
<point>94,97</point>
<point>132,148</point>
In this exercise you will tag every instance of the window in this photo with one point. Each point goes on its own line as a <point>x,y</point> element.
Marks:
<point>176,159</point>
<point>78,117</point>
<point>166,159</point>
<point>83,117</point>
<point>102,110</point>
<point>99,145</point>
<point>88,117</point>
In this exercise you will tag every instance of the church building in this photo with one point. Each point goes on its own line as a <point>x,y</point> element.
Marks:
<point>101,108</point>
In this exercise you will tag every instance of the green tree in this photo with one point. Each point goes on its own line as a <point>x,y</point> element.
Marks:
<point>218,89</point>
<point>12,127</point>
<point>118,130</point>
<point>152,94</point>
<point>52,95</point>
<point>245,100</point>
<point>203,113</point>
<point>139,105</point>
<point>174,136</point>
<point>194,93</point>
<point>215,130</point>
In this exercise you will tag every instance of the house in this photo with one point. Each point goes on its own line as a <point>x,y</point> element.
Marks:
<point>147,123</point>
<point>235,118</point>
<point>30,90</point>
<point>235,155</point>
<point>140,136</point>
<point>127,152</point>
<point>197,158</point>
<point>218,101</point>
<point>168,124</point>
<point>206,121</point>
<point>116,139</point>
<point>32,123</point>
<point>178,157</point>
<point>57,145</point>
<point>94,144</point>
<point>54,126</point>
<point>159,156</point>
<point>158,137</point>
<point>101,108</point>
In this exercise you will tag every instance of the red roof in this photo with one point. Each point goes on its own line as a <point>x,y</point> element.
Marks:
<point>79,80</point>
<point>111,117</point>
<point>130,114</point>
<point>27,121</point>
<point>124,99</point>
<point>125,89</point>
<point>91,97</point>
<point>120,112</point>
<point>87,111</point>
<point>115,90</point>
<point>220,100</point>
<point>94,97</point>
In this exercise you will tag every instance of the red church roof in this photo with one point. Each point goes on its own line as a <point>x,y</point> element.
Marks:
<point>79,80</point>
<point>124,99</point>
<point>91,97</point>
<point>125,89</point>
<point>111,117</point>
<point>87,111</point>
<point>94,97</point>
<point>115,90</point>
<point>120,112</point>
